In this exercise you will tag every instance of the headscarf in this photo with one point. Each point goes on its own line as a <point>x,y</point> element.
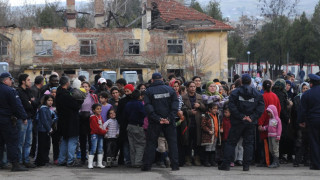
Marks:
<point>207,92</point>
<point>280,84</point>
<point>300,88</point>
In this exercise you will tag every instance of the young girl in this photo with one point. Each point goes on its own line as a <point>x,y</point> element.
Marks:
<point>210,130</point>
<point>274,133</point>
<point>97,134</point>
<point>45,118</point>
<point>112,134</point>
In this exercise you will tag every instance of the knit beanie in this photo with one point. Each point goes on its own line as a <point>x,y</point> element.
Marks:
<point>129,86</point>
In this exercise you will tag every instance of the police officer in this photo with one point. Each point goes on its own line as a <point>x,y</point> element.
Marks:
<point>246,106</point>
<point>10,109</point>
<point>310,118</point>
<point>161,105</point>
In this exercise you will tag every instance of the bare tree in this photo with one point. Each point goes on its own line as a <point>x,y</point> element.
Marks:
<point>274,8</point>
<point>4,11</point>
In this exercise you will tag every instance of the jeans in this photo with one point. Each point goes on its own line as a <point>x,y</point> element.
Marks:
<point>25,140</point>
<point>96,142</point>
<point>126,152</point>
<point>67,150</point>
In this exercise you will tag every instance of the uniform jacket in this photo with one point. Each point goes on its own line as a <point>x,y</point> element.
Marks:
<point>209,122</point>
<point>200,110</point>
<point>269,99</point>
<point>10,104</point>
<point>274,127</point>
<point>28,105</point>
<point>68,113</point>
<point>245,101</point>
<point>160,101</point>
<point>310,106</point>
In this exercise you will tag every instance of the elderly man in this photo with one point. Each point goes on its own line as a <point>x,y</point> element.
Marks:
<point>10,109</point>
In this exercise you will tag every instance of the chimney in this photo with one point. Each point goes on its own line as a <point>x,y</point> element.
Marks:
<point>71,14</point>
<point>146,10</point>
<point>99,13</point>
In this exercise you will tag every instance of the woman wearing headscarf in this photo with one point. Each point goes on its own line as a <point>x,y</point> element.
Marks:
<point>279,88</point>
<point>301,140</point>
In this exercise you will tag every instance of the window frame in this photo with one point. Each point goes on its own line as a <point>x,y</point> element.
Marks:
<point>126,47</point>
<point>175,44</point>
<point>92,43</point>
<point>36,45</point>
<point>2,46</point>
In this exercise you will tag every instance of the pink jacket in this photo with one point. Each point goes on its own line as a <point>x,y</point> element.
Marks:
<point>274,128</point>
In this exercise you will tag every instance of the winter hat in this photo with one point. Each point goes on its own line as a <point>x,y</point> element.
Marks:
<point>129,86</point>
<point>246,79</point>
<point>76,84</point>
<point>156,76</point>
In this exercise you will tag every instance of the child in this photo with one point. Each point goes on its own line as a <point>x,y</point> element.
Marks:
<point>274,132</point>
<point>110,148</point>
<point>135,115</point>
<point>210,130</point>
<point>45,118</point>
<point>97,134</point>
<point>105,106</point>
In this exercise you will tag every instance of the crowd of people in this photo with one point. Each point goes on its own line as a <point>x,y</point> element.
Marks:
<point>164,122</point>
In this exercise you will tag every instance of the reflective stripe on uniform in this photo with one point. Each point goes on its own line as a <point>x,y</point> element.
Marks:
<point>160,96</point>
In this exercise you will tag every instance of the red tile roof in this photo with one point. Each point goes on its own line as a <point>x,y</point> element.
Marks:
<point>172,10</point>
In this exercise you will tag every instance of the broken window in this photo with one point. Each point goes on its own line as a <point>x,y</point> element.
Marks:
<point>175,46</point>
<point>131,46</point>
<point>88,47</point>
<point>3,47</point>
<point>43,48</point>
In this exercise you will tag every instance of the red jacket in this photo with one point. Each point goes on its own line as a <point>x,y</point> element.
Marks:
<point>226,128</point>
<point>269,99</point>
<point>96,125</point>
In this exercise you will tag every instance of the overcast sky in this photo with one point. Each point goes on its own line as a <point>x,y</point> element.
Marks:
<point>229,8</point>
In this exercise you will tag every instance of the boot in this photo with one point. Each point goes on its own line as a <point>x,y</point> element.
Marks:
<point>206,159</point>
<point>197,161</point>
<point>16,167</point>
<point>99,164</point>
<point>90,161</point>
<point>213,159</point>
<point>188,161</point>
<point>109,160</point>
<point>114,162</point>
<point>275,163</point>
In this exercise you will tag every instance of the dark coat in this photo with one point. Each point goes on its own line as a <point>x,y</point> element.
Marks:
<point>122,121</point>
<point>28,105</point>
<point>187,106</point>
<point>283,98</point>
<point>68,109</point>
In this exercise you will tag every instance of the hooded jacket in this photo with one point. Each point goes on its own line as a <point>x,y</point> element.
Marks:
<point>274,128</point>
<point>269,99</point>
<point>245,101</point>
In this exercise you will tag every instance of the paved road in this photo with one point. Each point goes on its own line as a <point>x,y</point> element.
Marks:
<point>198,173</point>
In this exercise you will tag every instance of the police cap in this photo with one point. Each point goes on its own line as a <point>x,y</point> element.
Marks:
<point>314,77</point>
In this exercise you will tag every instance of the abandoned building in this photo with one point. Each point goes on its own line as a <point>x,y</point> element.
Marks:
<point>173,39</point>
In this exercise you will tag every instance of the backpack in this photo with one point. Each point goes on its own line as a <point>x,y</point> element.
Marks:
<point>95,98</point>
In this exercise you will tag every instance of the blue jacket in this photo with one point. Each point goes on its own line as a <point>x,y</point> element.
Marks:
<point>45,118</point>
<point>245,101</point>
<point>10,104</point>
<point>161,102</point>
<point>310,106</point>
<point>134,112</point>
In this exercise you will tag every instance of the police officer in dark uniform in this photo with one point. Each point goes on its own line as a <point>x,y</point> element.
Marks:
<point>246,106</point>
<point>161,105</point>
<point>10,109</point>
<point>310,118</point>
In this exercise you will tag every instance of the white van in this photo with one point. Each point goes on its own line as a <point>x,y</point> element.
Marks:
<point>130,76</point>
